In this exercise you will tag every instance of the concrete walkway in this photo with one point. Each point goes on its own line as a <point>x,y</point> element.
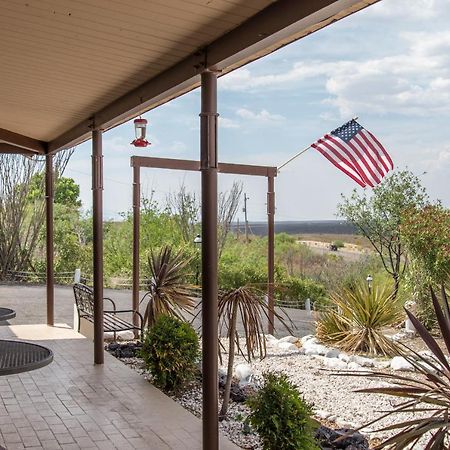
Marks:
<point>73,404</point>
<point>30,303</point>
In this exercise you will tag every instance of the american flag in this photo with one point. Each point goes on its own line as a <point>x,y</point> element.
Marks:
<point>357,152</point>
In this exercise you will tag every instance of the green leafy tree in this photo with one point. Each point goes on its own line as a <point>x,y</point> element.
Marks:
<point>67,192</point>
<point>379,217</point>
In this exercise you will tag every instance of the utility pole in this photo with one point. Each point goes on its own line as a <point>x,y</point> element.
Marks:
<point>246,218</point>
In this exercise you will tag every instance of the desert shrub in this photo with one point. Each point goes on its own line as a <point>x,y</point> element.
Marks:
<point>170,351</point>
<point>280,415</point>
<point>338,244</point>
<point>235,274</point>
<point>295,290</point>
<point>356,321</point>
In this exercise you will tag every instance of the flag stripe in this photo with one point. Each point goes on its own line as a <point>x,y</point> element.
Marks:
<point>354,178</point>
<point>341,163</point>
<point>349,153</point>
<point>388,157</point>
<point>380,158</point>
<point>366,161</point>
<point>341,159</point>
<point>372,154</point>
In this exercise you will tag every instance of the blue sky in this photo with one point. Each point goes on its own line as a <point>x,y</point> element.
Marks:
<point>388,64</point>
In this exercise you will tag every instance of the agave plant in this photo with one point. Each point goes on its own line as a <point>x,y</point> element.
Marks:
<point>247,304</point>
<point>429,395</point>
<point>357,318</point>
<point>167,292</point>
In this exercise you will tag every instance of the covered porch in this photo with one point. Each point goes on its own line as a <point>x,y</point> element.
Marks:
<point>88,68</point>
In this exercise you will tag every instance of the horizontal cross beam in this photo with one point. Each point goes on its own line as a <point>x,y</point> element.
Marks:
<point>194,166</point>
<point>19,140</point>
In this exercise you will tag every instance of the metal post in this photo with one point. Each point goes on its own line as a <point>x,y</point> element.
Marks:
<point>49,197</point>
<point>208,163</point>
<point>136,236</point>
<point>97,213</point>
<point>271,249</point>
<point>246,217</point>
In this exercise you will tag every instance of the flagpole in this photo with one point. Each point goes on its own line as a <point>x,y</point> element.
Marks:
<point>301,153</point>
<point>295,156</point>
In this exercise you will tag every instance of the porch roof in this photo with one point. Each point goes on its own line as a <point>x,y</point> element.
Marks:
<point>70,65</point>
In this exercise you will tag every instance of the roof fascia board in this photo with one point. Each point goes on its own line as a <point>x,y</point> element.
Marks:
<point>19,140</point>
<point>275,26</point>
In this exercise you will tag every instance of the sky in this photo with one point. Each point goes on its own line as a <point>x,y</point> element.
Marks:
<point>388,64</point>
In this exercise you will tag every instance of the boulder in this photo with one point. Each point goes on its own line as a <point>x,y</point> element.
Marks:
<point>344,357</point>
<point>353,439</point>
<point>243,372</point>
<point>332,353</point>
<point>315,349</point>
<point>335,364</point>
<point>354,366</point>
<point>362,361</point>
<point>126,335</point>
<point>290,339</point>
<point>401,364</point>
<point>307,338</point>
<point>286,346</point>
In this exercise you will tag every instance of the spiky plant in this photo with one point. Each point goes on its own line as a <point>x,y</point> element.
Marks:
<point>356,321</point>
<point>167,291</point>
<point>244,303</point>
<point>429,395</point>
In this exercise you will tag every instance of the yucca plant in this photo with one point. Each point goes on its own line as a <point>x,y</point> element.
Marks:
<point>429,395</point>
<point>167,291</point>
<point>355,322</point>
<point>244,303</point>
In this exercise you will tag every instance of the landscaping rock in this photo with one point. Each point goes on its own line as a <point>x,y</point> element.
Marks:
<point>401,364</point>
<point>127,350</point>
<point>315,349</point>
<point>354,441</point>
<point>286,346</point>
<point>222,378</point>
<point>308,338</point>
<point>335,363</point>
<point>290,339</point>
<point>344,357</point>
<point>354,366</point>
<point>243,372</point>
<point>333,353</point>
<point>362,361</point>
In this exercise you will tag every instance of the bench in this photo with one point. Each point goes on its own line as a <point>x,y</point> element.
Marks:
<point>84,299</point>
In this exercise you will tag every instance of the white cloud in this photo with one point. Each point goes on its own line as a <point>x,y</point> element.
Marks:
<point>225,122</point>
<point>415,82</point>
<point>262,116</point>
<point>407,9</point>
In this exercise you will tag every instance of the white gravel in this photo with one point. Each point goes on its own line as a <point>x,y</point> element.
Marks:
<point>332,396</point>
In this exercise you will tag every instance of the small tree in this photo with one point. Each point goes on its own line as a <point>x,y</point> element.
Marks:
<point>244,303</point>
<point>426,233</point>
<point>379,216</point>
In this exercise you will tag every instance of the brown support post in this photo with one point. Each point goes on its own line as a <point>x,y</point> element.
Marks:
<point>136,236</point>
<point>49,196</point>
<point>271,249</point>
<point>97,213</point>
<point>208,161</point>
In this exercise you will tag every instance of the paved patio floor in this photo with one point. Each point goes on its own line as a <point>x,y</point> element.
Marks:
<point>73,404</point>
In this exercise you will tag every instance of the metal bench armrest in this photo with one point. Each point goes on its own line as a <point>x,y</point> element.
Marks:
<point>112,302</point>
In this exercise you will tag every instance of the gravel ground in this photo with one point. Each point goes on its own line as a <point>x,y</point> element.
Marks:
<point>333,396</point>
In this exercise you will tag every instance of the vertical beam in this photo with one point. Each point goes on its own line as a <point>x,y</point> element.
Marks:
<point>271,249</point>
<point>208,164</point>
<point>49,197</point>
<point>97,212</point>
<point>136,236</point>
